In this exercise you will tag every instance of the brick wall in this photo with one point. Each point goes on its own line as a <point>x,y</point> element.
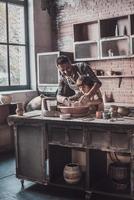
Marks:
<point>76,11</point>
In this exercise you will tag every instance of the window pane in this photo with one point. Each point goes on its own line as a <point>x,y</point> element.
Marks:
<point>16,24</point>
<point>17,65</point>
<point>3,66</point>
<point>3,37</point>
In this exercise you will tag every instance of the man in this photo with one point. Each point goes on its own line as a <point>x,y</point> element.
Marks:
<point>69,73</point>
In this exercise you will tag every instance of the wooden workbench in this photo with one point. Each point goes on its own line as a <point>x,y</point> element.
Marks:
<point>44,145</point>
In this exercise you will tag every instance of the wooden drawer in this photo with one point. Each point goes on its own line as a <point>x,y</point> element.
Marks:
<point>75,136</point>
<point>120,140</point>
<point>66,135</point>
<point>56,134</point>
<point>98,138</point>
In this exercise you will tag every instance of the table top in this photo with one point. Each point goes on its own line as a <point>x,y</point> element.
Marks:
<point>36,116</point>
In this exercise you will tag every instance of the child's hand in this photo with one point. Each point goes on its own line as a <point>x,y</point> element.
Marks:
<point>83,99</point>
<point>75,104</point>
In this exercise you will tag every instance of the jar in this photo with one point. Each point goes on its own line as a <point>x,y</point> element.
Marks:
<point>106,115</point>
<point>20,109</point>
<point>98,114</point>
<point>72,173</point>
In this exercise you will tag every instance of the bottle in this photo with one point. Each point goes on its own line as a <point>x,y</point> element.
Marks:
<point>116,30</point>
<point>104,97</point>
<point>125,30</point>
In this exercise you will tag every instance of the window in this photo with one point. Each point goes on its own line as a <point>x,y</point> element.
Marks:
<point>14,67</point>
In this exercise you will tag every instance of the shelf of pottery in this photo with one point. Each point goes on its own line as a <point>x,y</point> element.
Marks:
<point>104,39</point>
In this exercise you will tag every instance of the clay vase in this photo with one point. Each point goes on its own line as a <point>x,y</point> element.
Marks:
<point>72,173</point>
<point>20,109</point>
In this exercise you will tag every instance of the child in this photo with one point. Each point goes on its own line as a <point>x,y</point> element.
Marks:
<point>85,85</point>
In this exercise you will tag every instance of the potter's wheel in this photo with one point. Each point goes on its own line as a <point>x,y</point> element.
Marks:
<point>79,111</point>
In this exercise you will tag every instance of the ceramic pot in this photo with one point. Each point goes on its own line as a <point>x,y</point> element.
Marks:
<point>123,111</point>
<point>72,173</point>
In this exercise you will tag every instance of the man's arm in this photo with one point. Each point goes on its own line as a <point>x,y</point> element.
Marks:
<point>60,97</point>
<point>62,94</point>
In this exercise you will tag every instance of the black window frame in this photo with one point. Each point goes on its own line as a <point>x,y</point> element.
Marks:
<point>18,87</point>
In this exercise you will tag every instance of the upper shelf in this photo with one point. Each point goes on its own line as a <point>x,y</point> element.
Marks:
<point>104,39</point>
<point>114,38</point>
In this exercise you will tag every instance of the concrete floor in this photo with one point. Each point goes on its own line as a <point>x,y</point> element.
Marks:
<point>10,186</point>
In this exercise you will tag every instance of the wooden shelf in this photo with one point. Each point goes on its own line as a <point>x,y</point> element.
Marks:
<point>113,57</point>
<point>120,76</point>
<point>106,186</point>
<point>114,38</point>
<point>132,36</point>
<point>62,183</point>
<point>86,42</point>
<point>114,35</point>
